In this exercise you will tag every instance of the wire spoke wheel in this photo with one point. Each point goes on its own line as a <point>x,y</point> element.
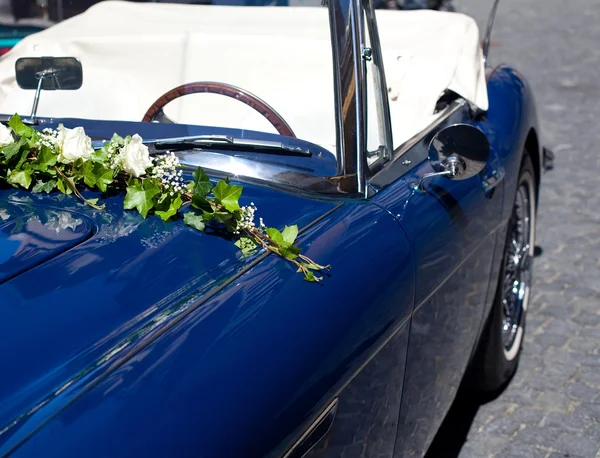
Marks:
<point>517,268</point>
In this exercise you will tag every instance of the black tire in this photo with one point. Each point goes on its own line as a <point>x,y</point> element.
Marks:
<point>497,356</point>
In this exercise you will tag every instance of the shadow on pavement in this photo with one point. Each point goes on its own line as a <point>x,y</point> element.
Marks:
<point>454,430</point>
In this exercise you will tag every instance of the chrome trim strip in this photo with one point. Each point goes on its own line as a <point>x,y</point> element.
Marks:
<point>326,419</point>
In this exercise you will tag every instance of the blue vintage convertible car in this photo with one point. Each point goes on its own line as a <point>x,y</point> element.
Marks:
<point>409,165</point>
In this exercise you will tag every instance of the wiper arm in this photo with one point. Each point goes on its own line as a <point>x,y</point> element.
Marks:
<point>230,143</point>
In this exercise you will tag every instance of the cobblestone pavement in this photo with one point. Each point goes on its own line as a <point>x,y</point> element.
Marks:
<point>552,407</point>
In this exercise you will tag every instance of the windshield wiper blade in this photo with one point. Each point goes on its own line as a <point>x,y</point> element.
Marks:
<point>230,143</point>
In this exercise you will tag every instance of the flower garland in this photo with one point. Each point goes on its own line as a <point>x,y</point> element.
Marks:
<point>64,159</point>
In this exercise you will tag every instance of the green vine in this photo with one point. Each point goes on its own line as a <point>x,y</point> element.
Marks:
<point>63,160</point>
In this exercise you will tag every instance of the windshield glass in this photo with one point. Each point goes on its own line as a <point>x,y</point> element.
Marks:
<point>258,68</point>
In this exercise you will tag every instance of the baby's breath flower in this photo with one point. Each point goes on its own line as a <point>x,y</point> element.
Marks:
<point>247,222</point>
<point>166,168</point>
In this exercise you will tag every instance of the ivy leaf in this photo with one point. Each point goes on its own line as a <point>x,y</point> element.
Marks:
<point>20,177</point>
<point>100,155</point>
<point>202,185</point>
<point>116,138</point>
<point>194,220</point>
<point>139,196</point>
<point>87,172</point>
<point>46,158</point>
<point>221,217</point>
<point>16,124</point>
<point>228,195</point>
<point>95,175</point>
<point>24,154</point>
<point>103,175</point>
<point>170,206</point>
<point>275,235</point>
<point>63,187</point>
<point>12,149</point>
<point>201,203</point>
<point>290,233</point>
<point>289,252</point>
<point>44,186</point>
<point>314,266</point>
<point>247,245</point>
<point>310,276</point>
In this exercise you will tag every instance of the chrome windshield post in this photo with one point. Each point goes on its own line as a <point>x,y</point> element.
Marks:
<point>346,23</point>
<point>381,88</point>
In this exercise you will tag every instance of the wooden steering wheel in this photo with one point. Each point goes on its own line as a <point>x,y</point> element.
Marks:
<point>156,113</point>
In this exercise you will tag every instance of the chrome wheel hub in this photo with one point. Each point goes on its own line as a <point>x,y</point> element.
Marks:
<point>517,267</point>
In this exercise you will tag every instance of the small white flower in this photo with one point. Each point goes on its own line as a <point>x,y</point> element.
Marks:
<point>135,158</point>
<point>6,137</point>
<point>73,144</point>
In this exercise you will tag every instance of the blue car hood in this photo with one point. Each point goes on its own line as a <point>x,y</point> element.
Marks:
<point>75,281</point>
<point>30,236</point>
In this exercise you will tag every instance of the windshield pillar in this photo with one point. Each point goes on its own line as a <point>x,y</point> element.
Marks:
<point>346,23</point>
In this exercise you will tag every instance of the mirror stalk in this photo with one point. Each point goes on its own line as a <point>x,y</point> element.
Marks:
<point>51,72</point>
<point>418,186</point>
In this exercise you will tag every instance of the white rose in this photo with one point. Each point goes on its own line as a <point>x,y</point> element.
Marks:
<point>135,158</point>
<point>6,137</point>
<point>73,144</point>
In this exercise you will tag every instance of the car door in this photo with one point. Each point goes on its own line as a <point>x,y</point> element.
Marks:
<point>452,227</point>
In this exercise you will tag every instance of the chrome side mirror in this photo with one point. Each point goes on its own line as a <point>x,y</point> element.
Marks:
<point>457,152</point>
<point>48,73</point>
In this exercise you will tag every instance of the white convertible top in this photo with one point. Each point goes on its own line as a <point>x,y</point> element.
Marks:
<point>132,53</point>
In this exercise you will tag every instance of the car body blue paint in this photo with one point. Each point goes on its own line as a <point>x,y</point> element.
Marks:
<point>28,238</point>
<point>150,339</point>
<point>457,231</point>
<point>235,372</point>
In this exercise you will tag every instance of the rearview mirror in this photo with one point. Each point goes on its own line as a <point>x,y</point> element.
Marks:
<point>47,73</point>
<point>457,152</point>
<point>461,149</point>
<point>62,73</point>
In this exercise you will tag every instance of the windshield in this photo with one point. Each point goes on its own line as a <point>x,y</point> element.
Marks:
<point>222,63</point>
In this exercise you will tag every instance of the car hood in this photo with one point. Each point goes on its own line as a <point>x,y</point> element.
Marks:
<point>30,235</point>
<point>74,282</point>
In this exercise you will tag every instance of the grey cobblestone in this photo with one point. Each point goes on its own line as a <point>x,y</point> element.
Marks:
<point>581,391</point>
<point>563,455</point>
<point>586,318</point>
<point>579,445</point>
<point>583,345</point>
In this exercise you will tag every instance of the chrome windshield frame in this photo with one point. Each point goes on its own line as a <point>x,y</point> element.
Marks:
<point>350,22</point>
<point>345,22</point>
<point>381,87</point>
